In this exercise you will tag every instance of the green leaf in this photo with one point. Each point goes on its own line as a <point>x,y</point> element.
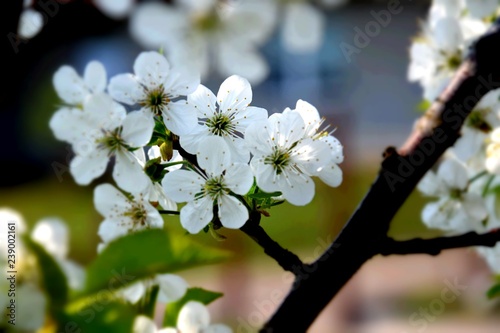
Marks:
<point>103,314</point>
<point>494,291</point>
<point>193,294</point>
<point>144,254</point>
<point>53,279</point>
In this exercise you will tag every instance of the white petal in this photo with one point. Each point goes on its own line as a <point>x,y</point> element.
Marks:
<point>116,9</point>
<point>157,24</point>
<point>74,273</point>
<point>137,128</point>
<point>111,229</point>
<point>128,173</point>
<point>69,85</point>
<point>213,155</point>
<point>261,15</point>
<point>180,117</point>
<point>104,113</point>
<point>311,155</point>
<point>182,185</point>
<point>52,234</point>
<point>258,138</point>
<point>95,76</point>
<point>331,175</point>
<point>288,129</point>
<point>109,201</point>
<point>143,324</point>
<point>235,94</point>
<point>191,141</point>
<point>126,89</point>
<point>248,116</point>
<point>302,29</point>
<point>431,185</point>
<point>448,35</point>
<point>232,213</point>
<point>203,100</point>
<point>172,287</point>
<point>66,124</point>
<point>193,317</point>
<point>238,149</point>
<point>154,219</point>
<point>182,80</point>
<point>336,149</point>
<point>134,292</point>
<point>469,143</point>
<point>474,206</point>
<point>434,215</point>
<point>453,173</point>
<point>197,214</point>
<point>30,316</point>
<point>310,115</point>
<point>242,61</point>
<point>84,169</point>
<point>265,175</point>
<point>151,68</point>
<point>297,189</point>
<point>239,178</point>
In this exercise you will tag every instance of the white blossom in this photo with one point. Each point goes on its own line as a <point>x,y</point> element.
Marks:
<point>227,115</point>
<point>123,215</point>
<point>209,35</point>
<point>202,191</point>
<point>103,130</point>
<point>171,288</point>
<point>458,209</point>
<point>477,128</point>
<point>156,87</point>
<point>331,173</point>
<point>285,158</point>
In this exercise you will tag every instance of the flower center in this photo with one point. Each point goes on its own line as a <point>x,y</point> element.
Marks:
<point>456,194</point>
<point>476,120</point>
<point>138,215</point>
<point>279,159</point>
<point>214,187</point>
<point>156,99</point>
<point>206,21</point>
<point>220,125</point>
<point>112,140</point>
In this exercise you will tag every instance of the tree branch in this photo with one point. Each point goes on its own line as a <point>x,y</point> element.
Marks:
<point>434,246</point>
<point>365,233</point>
<point>286,259</point>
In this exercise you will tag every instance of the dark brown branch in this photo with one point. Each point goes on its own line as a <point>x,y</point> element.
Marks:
<point>434,246</point>
<point>365,233</point>
<point>286,259</point>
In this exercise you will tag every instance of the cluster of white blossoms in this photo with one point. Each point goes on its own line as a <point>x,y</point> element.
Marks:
<point>233,158</point>
<point>466,181</point>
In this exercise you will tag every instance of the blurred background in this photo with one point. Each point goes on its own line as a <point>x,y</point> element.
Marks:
<point>365,96</point>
